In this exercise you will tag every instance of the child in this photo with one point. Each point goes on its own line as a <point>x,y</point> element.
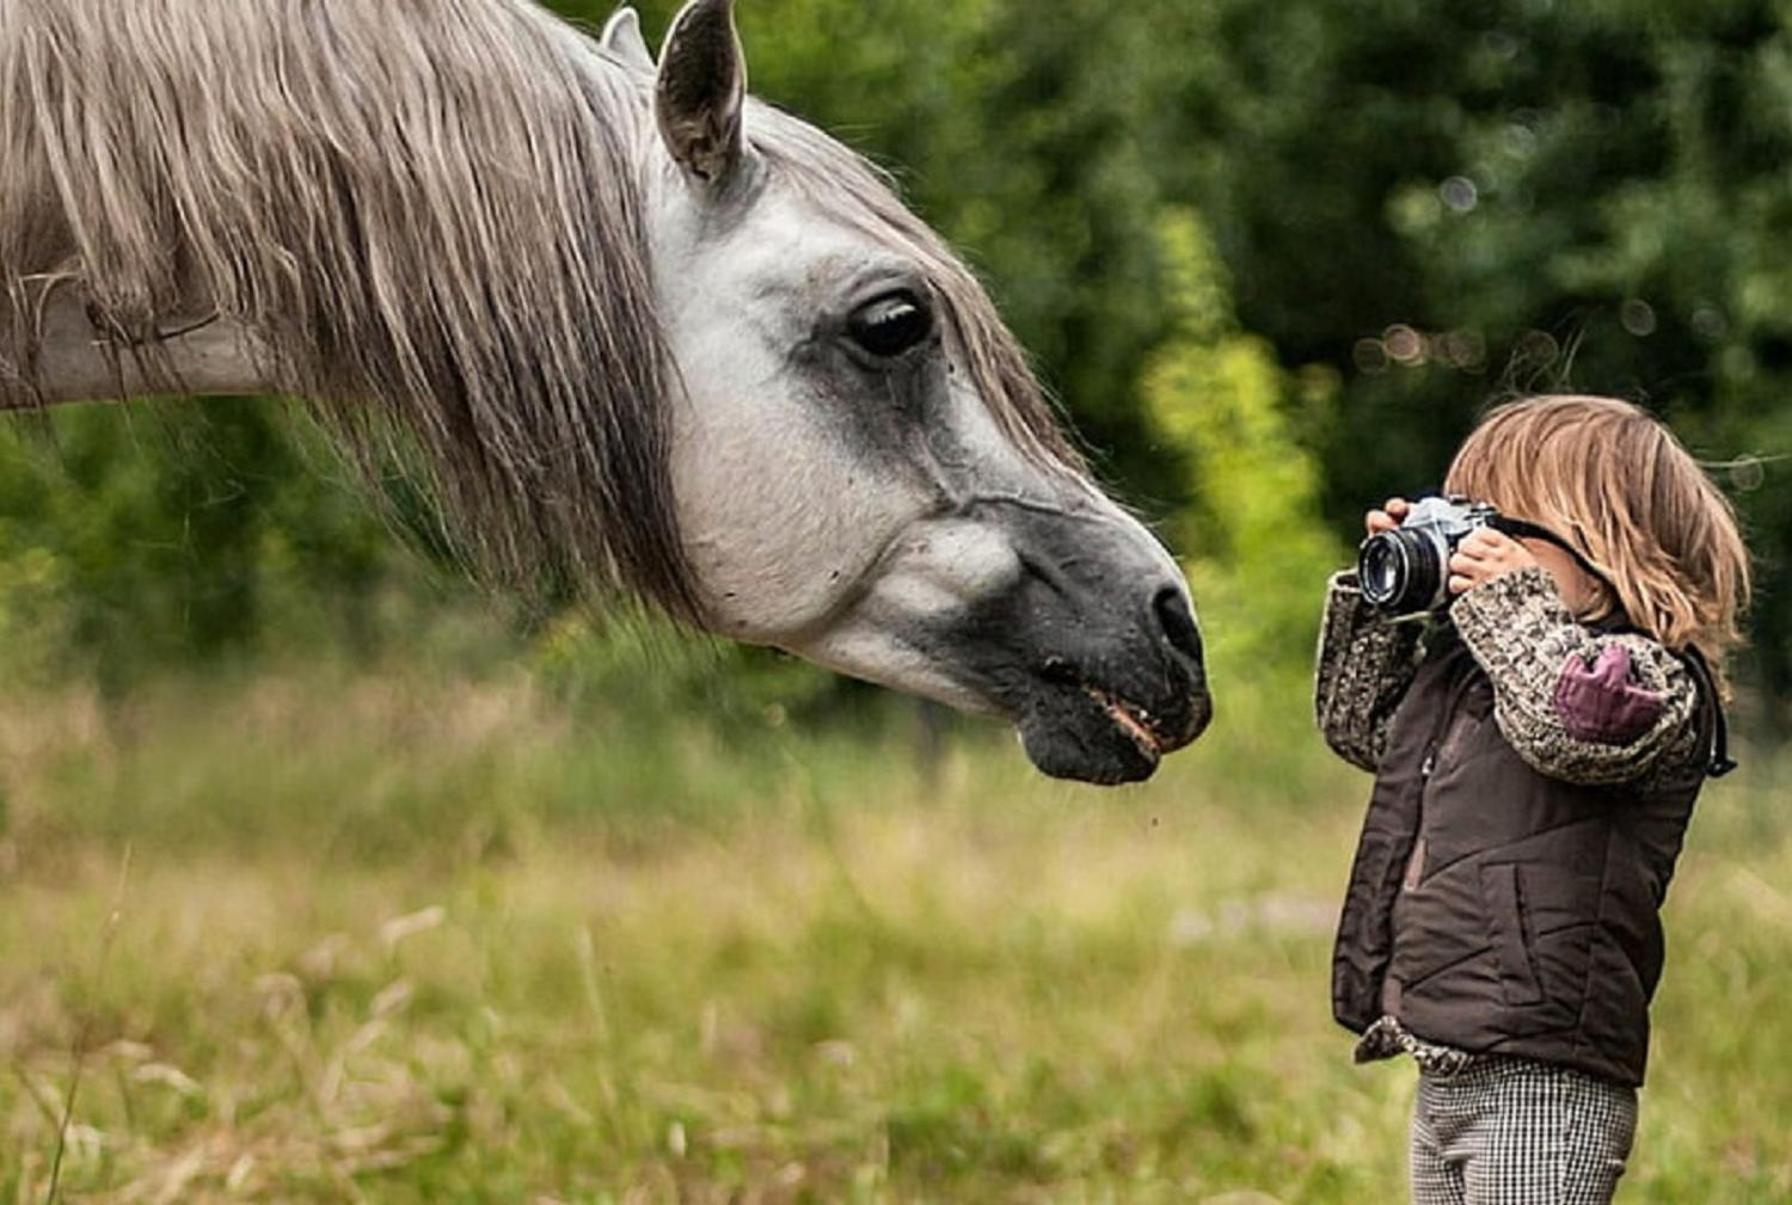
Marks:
<point>1537,750</point>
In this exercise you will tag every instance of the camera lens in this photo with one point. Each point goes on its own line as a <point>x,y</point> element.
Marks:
<point>1402,572</point>
<point>1381,570</point>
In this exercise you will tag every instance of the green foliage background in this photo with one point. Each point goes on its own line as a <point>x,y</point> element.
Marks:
<point>1273,258</point>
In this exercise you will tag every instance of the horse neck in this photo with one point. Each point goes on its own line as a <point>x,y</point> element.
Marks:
<point>125,271</point>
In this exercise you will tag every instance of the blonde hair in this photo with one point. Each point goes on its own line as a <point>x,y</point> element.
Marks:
<point>1617,485</point>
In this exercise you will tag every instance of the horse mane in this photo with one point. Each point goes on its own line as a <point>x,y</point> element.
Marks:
<point>425,214</point>
<point>429,219</point>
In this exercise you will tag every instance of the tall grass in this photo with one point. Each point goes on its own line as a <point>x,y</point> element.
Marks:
<point>407,936</point>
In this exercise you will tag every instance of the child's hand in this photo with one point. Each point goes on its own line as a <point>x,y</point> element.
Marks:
<point>1390,516</point>
<point>1484,555</point>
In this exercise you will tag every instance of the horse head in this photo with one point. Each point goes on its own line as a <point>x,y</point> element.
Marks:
<point>865,472</point>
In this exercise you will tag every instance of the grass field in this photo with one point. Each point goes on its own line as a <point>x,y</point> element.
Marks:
<point>398,937</point>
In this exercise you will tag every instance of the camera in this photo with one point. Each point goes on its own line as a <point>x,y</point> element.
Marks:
<point>1407,571</point>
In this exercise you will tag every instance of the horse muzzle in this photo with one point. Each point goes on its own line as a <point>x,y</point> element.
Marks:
<point>1073,625</point>
<point>1119,697</point>
<point>1091,650</point>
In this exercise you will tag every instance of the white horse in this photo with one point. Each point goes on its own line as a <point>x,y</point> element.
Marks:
<point>636,330</point>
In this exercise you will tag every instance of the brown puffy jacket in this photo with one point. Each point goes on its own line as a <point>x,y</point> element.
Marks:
<point>1497,910</point>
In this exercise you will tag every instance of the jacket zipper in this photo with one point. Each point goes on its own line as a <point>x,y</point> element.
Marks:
<point>1415,862</point>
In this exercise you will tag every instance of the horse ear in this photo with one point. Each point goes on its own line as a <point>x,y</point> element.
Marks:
<point>622,38</point>
<point>702,90</point>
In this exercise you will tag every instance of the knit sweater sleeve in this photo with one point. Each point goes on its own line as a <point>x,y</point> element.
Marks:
<point>1364,667</point>
<point>1578,705</point>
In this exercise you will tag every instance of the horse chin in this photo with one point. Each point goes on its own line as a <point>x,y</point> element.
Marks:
<point>1070,727</point>
<point>1087,735</point>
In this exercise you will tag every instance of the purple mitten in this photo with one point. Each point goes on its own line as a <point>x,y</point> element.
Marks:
<point>1600,704</point>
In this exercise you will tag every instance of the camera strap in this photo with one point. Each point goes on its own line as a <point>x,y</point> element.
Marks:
<point>1721,763</point>
<point>1524,529</point>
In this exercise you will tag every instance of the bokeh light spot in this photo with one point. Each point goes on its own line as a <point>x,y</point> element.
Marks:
<point>1370,356</point>
<point>1460,194</point>
<point>1638,317</point>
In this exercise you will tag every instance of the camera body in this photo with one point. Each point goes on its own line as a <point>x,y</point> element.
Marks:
<point>1406,571</point>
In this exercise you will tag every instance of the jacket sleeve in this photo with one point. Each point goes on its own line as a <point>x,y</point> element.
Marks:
<point>1578,705</point>
<point>1364,666</point>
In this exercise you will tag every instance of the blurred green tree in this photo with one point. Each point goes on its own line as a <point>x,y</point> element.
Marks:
<point>133,538</point>
<point>1454,204</point>
<point>1252,535</point>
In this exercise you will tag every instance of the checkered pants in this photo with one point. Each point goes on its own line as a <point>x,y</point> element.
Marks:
<point>1513,1132</point>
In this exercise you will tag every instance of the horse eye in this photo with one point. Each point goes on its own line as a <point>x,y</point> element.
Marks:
<point>891,325</point>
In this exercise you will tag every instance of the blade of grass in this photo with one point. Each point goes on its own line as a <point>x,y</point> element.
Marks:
<point>108,931</point>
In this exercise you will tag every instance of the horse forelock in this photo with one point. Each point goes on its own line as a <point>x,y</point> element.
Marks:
<point>428,217</point>
<point>853,190</point>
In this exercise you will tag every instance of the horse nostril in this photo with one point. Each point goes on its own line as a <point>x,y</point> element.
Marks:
<point>1171,608</point>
